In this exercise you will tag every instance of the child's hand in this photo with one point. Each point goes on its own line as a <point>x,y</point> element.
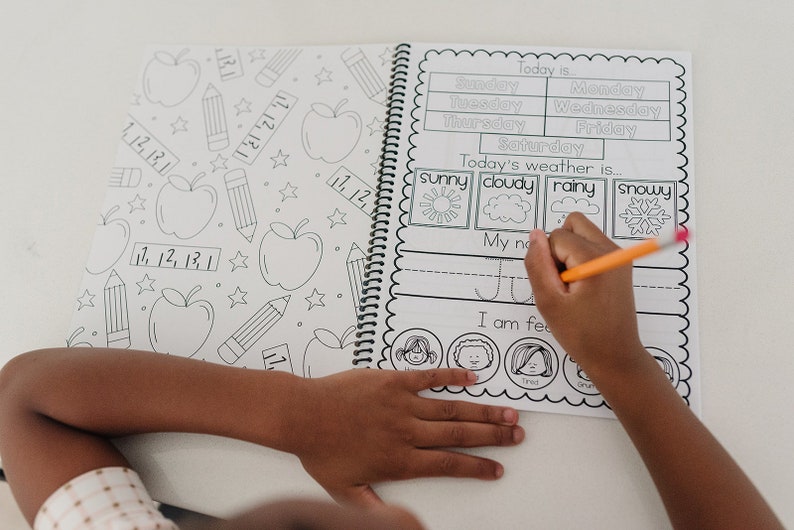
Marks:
<point>305,513</point>
<point>593,319</point>
<point>360,427</point>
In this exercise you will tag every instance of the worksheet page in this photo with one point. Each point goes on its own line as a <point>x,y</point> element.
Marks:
<point>492,142</point>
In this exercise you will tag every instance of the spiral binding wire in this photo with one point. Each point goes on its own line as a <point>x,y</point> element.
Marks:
<point>373,271</point>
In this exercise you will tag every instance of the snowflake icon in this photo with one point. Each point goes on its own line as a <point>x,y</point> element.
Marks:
<point>644,216</point>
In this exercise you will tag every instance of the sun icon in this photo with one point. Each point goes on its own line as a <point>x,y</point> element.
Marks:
<point>440,207</point>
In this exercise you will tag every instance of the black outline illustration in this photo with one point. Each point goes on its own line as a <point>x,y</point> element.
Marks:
<point>326,136</point>
<point>160,82</point>
<point>70,342</point>
<point>117,319</point>
<point>276,66</point>
<point>318,357</point>
<point>284,266</point>
<point>182,257</point>
<point>103,256</point>
<point>125,177</point>
<point>171,315</point>
<point>365,75</point>
<point>215,127</point>
<point>183,207</point>
<point>265,127</point>
<point>239,193</point>
<point>253,329</point>
<point>148,147</point>
<point>278,358</point>
<point>474,342</point>
<point>230,66</point>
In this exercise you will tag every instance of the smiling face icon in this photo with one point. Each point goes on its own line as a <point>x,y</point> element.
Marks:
<point>418,355</point>
<point>416,351</point>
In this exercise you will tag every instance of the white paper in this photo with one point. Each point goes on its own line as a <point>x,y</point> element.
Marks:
<point>239,209</point>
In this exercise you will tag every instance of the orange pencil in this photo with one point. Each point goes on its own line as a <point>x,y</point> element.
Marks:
<point>619,257</point>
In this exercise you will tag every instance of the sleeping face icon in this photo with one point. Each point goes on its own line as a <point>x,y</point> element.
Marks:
<point>532,360</point>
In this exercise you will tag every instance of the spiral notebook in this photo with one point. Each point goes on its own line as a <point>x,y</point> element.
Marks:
<point>313,209</point>
<point>484,144</point>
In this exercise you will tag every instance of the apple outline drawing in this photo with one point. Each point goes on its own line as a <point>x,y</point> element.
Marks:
<point>76,333</point>
<point>325,353</point>
<point>174,333</point>
<point>169,80</point>
<point>102,249</point>
<point>176,197</point>
<point>285,267</point>
<point>328,134</point>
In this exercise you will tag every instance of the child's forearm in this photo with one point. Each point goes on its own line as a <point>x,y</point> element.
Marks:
<point>700,484</point>
<point>58,407</point>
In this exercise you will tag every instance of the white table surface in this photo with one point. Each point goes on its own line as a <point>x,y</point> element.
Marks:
<point>68,70</point>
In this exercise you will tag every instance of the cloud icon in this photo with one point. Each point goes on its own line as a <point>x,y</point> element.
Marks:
<point>505,208</point>
<point>569,204</point>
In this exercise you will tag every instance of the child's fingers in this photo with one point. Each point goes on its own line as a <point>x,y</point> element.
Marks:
<point>579,224</point>
<point>360,495</point>
<point>442,410</point>
<point>432,434</point>
<point>544,277</point>
<point>572,249</point>
<point>439,463</point>
<point>417,380</point>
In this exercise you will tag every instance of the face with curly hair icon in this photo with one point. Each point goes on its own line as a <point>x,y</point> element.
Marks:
<point>473,354</point>
<point>531,363</point>
<point>416,351</point>
<point>476,352</point>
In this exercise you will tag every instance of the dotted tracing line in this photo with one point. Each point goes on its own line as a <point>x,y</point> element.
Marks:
<point>469,274</point>
<point>481,275</point>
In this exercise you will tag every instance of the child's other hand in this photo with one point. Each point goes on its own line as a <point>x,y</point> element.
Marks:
<point>593,319</point>
<point>311,514</point>
<point>360,427</point>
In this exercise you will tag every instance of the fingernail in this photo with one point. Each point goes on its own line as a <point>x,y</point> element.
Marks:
<point>518,435</point>
<point>499,471</point>
<point>532,236</point>
<point>471,377</point>
<point>510,416</point>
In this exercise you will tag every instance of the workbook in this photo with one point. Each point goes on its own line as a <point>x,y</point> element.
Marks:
<point>485,143</point>
<point>315,209</point>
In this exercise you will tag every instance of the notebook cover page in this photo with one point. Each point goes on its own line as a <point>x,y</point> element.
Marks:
<point>238,210</point>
